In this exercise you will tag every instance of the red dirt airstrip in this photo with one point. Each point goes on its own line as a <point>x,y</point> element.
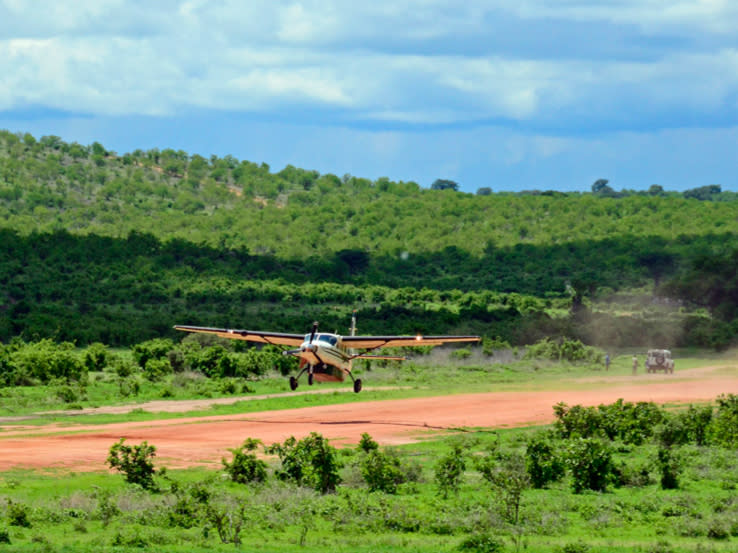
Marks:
<point>202,441</point>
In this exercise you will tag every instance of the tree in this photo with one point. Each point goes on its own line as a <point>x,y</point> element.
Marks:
<point>136,462</point>
<point>445,184</point>
<point>703,193</point>
<point>601,188</point>
<point>484,191</point>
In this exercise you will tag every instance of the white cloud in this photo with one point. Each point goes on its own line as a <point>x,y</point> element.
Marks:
<point>114,57</point>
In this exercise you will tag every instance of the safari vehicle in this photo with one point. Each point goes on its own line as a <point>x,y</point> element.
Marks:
<point>659,360</point>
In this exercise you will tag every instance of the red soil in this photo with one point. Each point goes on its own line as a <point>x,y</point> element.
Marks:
<point>204,441</point>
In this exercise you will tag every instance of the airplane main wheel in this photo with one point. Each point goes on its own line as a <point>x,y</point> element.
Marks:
<point>293,383</point>
<point>310,379</point>
<point>357,385</point>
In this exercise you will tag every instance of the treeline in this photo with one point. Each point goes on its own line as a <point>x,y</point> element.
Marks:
<point>100,247</point>
<point>119,292</point>
<point>49,185</point>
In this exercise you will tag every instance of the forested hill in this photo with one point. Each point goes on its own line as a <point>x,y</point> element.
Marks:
<point>147,232</point>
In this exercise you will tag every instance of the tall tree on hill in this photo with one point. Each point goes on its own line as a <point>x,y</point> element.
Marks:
<point>445,184</point>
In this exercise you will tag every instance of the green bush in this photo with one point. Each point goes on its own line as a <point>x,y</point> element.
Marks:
<point>489,345</point>
<point>669,466</point>
<point>156,369</point>
<point>310,462</point>
<point>96,357</point>
<point>482,543</point>
<point>589,461</point>
<point>45,361</point>
<point>672,431</point>
<point>576,547</point>
<point>564,349</point>
<point>629,422</point>
<point>18,514</point>
<point>367,444</point>
<point>136,462</point>
<point>245,467</point>
<point>382,471</point>
<point>543,462</point>
<point>577,421</point>
<point>4,536</point>
<point>449,471</point>
<point>697,422</point>
<point>158,348</point>
<point>724,427</point>
<point>461,353</point>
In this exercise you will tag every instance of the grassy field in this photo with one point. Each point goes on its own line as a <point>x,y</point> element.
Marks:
<point>100,512</point>
<point>57,511</point>
<point>425,376</point>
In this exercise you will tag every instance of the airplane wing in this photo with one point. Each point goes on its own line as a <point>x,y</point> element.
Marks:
<point>374,342</point>
<point>277,338</point>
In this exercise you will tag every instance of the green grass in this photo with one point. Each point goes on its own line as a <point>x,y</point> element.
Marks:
<point>65,509</point>
<point>422,377</point>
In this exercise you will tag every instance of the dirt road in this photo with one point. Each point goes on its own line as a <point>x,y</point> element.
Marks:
<point>203,441</point>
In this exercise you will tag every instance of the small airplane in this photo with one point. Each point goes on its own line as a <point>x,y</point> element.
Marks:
<point>327,357</point>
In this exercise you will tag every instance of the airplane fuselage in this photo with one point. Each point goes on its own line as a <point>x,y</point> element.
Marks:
<point>327,360</point>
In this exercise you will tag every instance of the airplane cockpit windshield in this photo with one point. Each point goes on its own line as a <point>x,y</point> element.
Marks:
<point>330,338</point>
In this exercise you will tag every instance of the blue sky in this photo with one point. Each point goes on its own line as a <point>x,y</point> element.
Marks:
<point>531,94</point>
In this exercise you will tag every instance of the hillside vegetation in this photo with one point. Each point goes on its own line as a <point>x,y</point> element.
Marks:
<point>96,246</point>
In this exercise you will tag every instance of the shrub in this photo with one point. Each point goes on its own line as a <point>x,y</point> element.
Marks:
<point>489,345</point>
<point>158,348</point>
<point>718,530</point>
<point>135,462</point>
<point>724,427</point>
<point>482,543</point>
<point>123,367</point>
<point>542,461</point>
<point>69,394</point>
<point>697,422</point>
<point>576,421</point>
<point>461,353</point>
<point>18,514</point>
<point>672,432</point>
<point>156,369</point>
<point>4,535</point>
<point>96,357</point>
<point>576,547</point>
<point>245,466</point>
<point>367,444</point>
<point>449,471</point>
<point>509,480</point>
<point>590,462</point>
<point>564,349</point>
<point>669,467</point>
<point>310,462</point>
<point>382,471</point>
<point>46,360</point>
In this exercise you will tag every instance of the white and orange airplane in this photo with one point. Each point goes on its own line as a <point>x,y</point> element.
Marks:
<point>328,357</point>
